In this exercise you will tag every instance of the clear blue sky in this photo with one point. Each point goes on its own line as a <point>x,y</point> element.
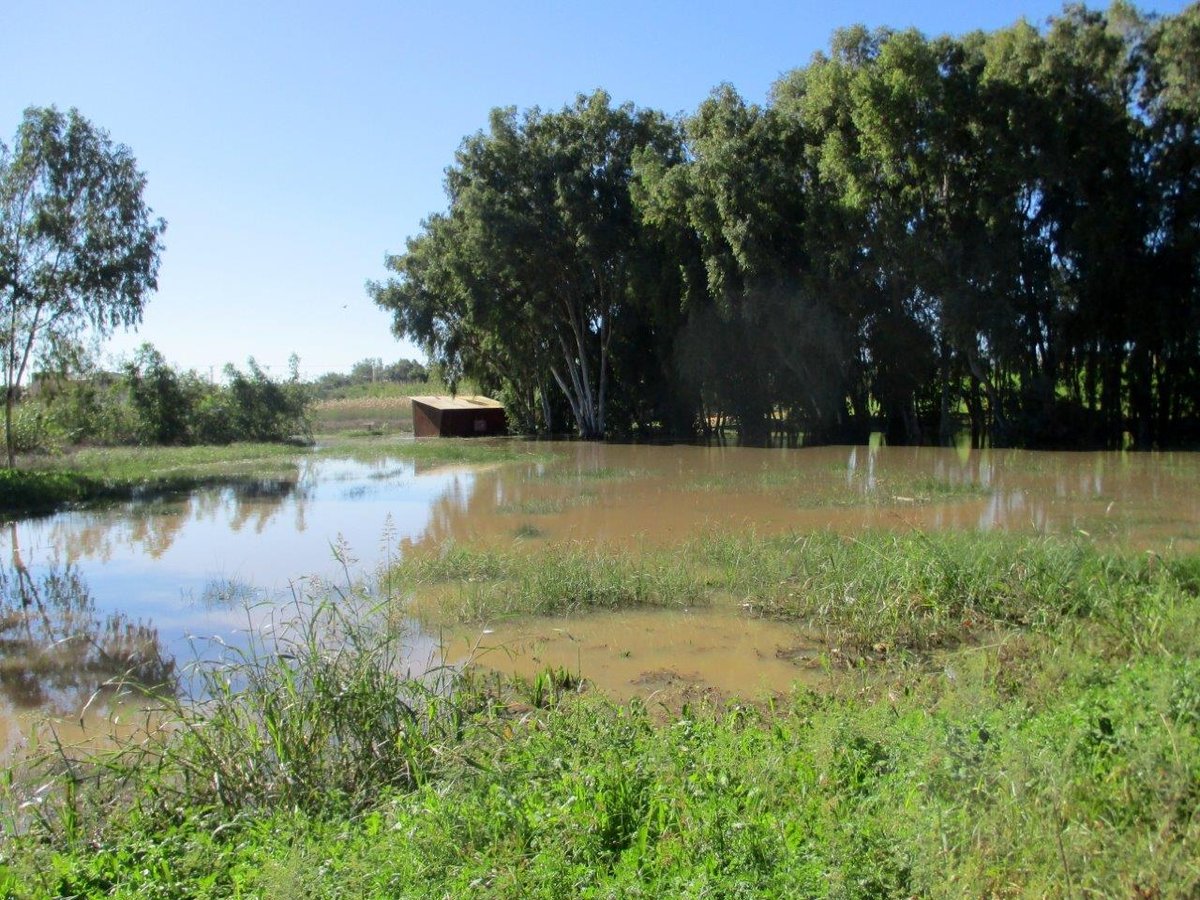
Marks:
<point>290,145</point>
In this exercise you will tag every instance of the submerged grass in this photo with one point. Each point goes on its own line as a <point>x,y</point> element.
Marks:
<point>806,488</point>
<point>437,451</point>
<point>547,506</point>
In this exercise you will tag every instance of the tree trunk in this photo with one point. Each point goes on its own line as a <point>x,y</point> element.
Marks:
<point>10,444</point>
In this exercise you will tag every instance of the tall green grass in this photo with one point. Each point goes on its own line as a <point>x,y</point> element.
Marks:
<point>466,584</point>
<point>937,782</point>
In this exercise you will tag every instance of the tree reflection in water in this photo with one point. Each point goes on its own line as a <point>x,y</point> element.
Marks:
<point>57,651</point>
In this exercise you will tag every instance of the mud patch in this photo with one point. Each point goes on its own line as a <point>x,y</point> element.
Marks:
<point>711,653</point>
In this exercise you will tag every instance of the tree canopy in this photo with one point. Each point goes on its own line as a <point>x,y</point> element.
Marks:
<point>541,261</point>
<point>998,232</point>
<point>79,247</point>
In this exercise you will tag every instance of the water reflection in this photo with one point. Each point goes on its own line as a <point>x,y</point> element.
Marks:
<point>660,494</point>
<point>57,651</point>
<point>151,526</point>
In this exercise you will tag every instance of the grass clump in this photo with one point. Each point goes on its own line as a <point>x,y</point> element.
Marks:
<point>466,584</point>
<point>924,590</point>
<point>547,506</point>
<point>319,715</point>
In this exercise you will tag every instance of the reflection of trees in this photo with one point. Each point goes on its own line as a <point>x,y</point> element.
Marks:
<point>470,499</point>
<point>151,525</point>
<point>56,651</point>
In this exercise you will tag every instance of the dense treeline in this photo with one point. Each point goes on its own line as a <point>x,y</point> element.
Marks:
<point>999,231</point>
<point>371,370</point>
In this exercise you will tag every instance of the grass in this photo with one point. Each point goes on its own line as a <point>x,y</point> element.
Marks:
<point>481,585</point>
<point>437,451</point>
<point>95,474</point>
<point>604,473</point>
<point>379,414</point>
<point>1059,756</point>
<point>32,492</point>
<point>380,408</point>
<point>547,506</point>
<point>911,591</point>
<point>807,489</point>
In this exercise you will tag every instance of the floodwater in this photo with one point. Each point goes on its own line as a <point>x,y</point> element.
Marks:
<point>142,586</point>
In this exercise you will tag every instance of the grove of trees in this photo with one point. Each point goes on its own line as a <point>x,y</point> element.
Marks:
<point>998,231</point>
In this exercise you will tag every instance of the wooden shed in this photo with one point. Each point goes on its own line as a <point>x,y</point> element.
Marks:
<point>457,416</point>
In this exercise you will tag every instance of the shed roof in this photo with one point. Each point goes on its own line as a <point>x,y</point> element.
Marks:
<point>468,402</point>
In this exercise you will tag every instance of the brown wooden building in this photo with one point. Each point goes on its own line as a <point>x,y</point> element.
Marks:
<point>457,416</point>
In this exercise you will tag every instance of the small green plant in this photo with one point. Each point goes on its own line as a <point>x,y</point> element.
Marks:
<point>548,687</point>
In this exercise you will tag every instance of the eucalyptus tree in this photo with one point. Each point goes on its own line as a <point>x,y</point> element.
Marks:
<point>540,263</point>
<point>1166,388</point>
<point>1074,147</point>
<point>761,336</point>
<point>869,111</point>
<point>79,247</point>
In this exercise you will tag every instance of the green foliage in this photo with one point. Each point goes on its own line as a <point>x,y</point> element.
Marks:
<point>826,796</point>
<point>175,408</point>
<point>371,372</point>
<point>34,491</point>
<point>265,410</point>
<point>78,247</point>
<point>1047,761</point>
<point>540,272</point>
<point>162,398</point>
<point>996,232</point>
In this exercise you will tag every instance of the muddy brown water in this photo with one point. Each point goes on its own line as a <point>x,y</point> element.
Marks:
<point>86,595</point>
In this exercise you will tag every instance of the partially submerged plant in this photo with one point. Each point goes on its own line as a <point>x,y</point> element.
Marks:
<point>319,712</point>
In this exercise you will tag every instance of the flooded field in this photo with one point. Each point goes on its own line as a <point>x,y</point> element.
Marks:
<point>136,589</point>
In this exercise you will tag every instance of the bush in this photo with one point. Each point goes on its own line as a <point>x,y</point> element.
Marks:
<point>34,429</point>
<point>163,399</point>
<point>266,410</point>
<point>181,408</point>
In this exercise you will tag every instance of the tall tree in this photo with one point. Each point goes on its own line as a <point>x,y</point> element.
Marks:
<point>79,247</point>
<point>540,262</point>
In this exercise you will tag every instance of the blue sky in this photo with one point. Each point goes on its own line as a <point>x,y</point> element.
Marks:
<point>291,145</point>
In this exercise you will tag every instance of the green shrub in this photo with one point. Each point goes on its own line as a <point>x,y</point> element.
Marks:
<point>34,429</point>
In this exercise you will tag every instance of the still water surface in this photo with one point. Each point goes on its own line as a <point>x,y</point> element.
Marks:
<point>169,570</point>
